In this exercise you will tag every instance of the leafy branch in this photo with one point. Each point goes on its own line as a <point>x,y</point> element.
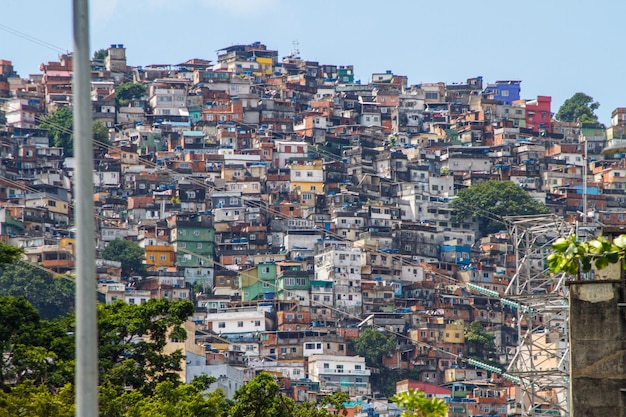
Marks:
<point>576,258</point>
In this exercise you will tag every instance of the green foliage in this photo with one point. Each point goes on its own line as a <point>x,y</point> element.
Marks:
<point>60,128</point>
<point>580,107</point>
<point>415,404</point>
<point>126,92</point>
<point>100,132</point>
<point>52,297</point>
<point>479,343</point>
<point>29,399</point>
<point>130,254</point>
<point>185,400</point>
<point>576,258</point>
<point>373,344</point>
<point>131,341</point>
<point>59,125</point>
<point>488,201</point>
<point>33,349</point>
<point>100,54</point>
<point>261,397</point>
<point>9,254</point>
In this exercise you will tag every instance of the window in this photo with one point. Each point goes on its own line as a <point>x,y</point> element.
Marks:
<point>196,233</point>
<point>240,324</point>
<point>326,366</point>
<point>309,173</point>
<point>163,257</point>
<point>221,325</point>
<point>257,323</point>
<point>151,257</point>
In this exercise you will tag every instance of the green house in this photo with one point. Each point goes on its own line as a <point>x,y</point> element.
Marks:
<point>194,237</point>
<point>258,283</point>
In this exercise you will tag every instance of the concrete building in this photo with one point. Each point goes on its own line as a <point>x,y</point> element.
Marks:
<point>345,373</point>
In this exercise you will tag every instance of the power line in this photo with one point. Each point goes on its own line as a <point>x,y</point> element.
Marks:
<point>32,39</point>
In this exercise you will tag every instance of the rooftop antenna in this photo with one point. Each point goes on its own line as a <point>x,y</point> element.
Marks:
<point>295,51</point>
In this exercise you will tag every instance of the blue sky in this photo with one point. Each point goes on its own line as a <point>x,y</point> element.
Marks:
<point>556,47</point>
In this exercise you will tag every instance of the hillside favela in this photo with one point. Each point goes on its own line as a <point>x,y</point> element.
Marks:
<point>275,237</point>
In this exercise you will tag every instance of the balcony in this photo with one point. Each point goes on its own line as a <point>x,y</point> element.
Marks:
<point>365,372</point>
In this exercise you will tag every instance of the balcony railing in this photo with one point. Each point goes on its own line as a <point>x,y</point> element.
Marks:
<point>345,372</point>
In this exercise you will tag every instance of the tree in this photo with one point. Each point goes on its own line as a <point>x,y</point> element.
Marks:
<point>416,404</point>
<point>29,399</point>
<point>261,397</point>
<point>59,125</point>
<point>479,343</point>
<point>101,132</point>
<point>100,54</point>
<point>9,254</point>
<point>183,400</point>
<point>373,344</point>
<point>488,201</point>
<point>31,348</point>
<point>126,92</point>
<point>130,254</point>
<point>580,107</point>
<point>60,129</point>
<point>52,297</point>
<point>131,341</point>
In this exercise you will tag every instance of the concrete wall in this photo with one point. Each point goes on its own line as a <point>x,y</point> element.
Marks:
<point>598,348</point>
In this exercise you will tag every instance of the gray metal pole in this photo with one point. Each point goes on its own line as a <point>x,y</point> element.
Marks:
<point>86,324</point>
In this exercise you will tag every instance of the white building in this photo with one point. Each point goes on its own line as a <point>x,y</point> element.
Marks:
<point>342,265</point>
<point>168,97</point>
<point>340,373</point>
<point>239,321</point>
<point>287,150</point>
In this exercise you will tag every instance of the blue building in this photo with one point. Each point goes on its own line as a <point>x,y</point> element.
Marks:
<point>505,91</point>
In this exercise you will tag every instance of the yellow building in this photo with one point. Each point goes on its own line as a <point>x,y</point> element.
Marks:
<point>194,354</point>
<point>160,256</point>
<point>454,333</point>
<point>307,179</point>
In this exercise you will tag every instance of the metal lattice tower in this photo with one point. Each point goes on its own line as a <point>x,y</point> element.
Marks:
<point>541,361</point>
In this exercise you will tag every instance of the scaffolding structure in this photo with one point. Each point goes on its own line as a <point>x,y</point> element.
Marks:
<point>541,361</point>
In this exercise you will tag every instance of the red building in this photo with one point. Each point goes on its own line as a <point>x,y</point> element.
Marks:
<point>538,114</point>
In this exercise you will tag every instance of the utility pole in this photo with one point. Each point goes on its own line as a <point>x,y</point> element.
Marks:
<point>86,379</point>
<point>585,167</point>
